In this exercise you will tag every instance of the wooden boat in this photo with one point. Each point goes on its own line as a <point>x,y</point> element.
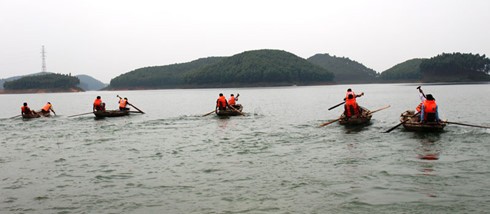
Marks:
<point>360,119</point>
<point>36,115</point>
<point>413,123</point>
<point>110,113</point>
<point>231,112</point>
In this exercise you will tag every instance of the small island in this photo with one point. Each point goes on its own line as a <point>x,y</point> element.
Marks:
<point>46,83</point>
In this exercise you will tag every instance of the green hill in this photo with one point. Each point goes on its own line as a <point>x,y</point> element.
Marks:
<point>260,68</point>
<point>408,71</point>
<point>344,69</point>
<point>251,68</point>
<point>168,76</point>
<point>46,82</point>
<point>456,67</point>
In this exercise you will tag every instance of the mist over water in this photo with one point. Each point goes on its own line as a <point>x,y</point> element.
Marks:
<point>275,159</point>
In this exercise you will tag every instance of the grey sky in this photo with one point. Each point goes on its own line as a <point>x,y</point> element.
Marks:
<point>106,38</point>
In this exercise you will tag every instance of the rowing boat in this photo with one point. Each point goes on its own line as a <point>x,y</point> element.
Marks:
<point>36,115</point>
<point>360,119</point>
<point>237,110</point>
<point>110,113</point>
<point>412,123</point>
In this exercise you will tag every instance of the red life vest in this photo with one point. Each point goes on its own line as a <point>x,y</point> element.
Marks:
<point>25,109</point>
<point>123,103</point>
<point>351,107</point>
<point>232,101</point>
<point>430,106</point>
<point>221,102</point>
<point>98,104</point>
<point>348,93</point>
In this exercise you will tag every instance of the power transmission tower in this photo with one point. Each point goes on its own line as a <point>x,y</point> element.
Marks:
<point>44,59</point>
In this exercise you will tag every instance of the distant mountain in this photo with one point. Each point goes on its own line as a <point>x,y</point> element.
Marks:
<point>344,69</point>
<point>167,76</point>
<point>408,71</point>
<point>260,68</point>
<point>89,83</point>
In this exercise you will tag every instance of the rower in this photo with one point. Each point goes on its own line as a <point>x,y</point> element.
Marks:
<point>48,107</point>
<point>25,110</point>
<point>123,103</point>
<point>351,108</point>
<point>98,104</point>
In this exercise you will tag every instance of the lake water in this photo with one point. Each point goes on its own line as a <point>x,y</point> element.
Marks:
<point>275,159</point>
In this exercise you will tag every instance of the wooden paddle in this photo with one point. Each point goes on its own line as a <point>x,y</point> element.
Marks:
<point>132,105</point>
<point>234,109</point>
<point>335,106</point>
<point>399,124</point>
<point>380,109</point>
<point>330,122</point>
<point>208,113</point>
<point>464,124</point>
<point>81,114</point>
<point>15,116</point>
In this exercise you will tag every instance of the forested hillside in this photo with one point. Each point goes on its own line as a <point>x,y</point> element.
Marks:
<point>168,76</point>
<point>260,68</point>
<point>344,69</point>
<point>404,72</point>
<point>251,68</point>
<point>456,67</point>
<point>46,81</point>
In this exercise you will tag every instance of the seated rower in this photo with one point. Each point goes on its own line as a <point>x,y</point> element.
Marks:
<point>351,108</point>
<point>48,107</point>
<point>122,104</point>
<point>232,101</point>
<point>221,103</point>
<point>350,92</point>
<point>428,110</point>
<point>98,104</point>
<point>25,110</point>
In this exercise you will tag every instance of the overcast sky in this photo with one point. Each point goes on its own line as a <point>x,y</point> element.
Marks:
<point>106,38</point>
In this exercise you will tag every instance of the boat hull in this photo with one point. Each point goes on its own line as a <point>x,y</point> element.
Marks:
<point>37,115</point>
<point>230,112</point>
<point>110,113</point>
<point>413,123</point>
<point>363,118</point>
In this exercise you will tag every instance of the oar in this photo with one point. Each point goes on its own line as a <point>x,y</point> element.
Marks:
<point>464,124</point>
<point>335,106</point>
<point>403,122</point>
<point>80,114</point>
<point>135,112</point>
<point>330,122</point>
<point>380,109</point>
<point>234,109</point>
<point>209,113</point>
<point>15,116</point>
<point>132,105</point>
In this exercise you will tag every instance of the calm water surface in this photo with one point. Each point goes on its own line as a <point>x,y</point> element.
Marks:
<point>273,160</point>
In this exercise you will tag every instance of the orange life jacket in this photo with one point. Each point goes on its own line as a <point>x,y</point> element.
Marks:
<point>25,109</point>
<point>351,107</point>
<point>232,101</point>
<point>122,103</point>
<point>347,95</point>
<point>430,106</point>
<point>97,102</point>
<point>221,102</point>
<point>47,107</point>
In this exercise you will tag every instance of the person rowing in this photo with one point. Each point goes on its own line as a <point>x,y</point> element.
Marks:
<point>48,107</point>
<point>221,103</point>
<point>98,104</point>
<point>123,103</point>
<point>25,110</point>
<point>232,101</point>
